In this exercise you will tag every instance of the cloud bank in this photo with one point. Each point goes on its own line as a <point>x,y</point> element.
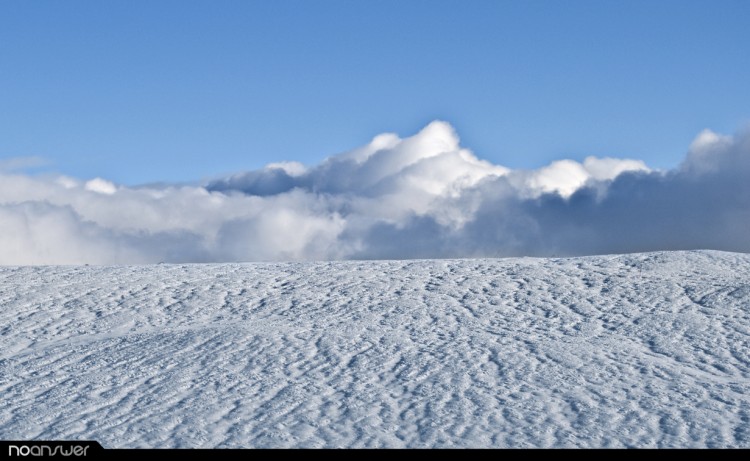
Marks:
<point>423,196</point>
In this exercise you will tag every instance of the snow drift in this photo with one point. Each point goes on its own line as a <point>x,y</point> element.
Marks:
<point>643,350</point>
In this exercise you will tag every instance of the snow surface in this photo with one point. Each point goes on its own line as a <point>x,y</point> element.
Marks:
<point>634,350</point>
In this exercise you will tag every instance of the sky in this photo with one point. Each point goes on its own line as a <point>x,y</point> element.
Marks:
<point>151,91</point>
<point>177,131</point>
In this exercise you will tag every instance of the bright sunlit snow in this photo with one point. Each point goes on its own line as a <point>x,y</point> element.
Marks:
<point>641,350</point>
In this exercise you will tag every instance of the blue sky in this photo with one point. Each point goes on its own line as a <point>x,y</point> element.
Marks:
<point>144,91</point>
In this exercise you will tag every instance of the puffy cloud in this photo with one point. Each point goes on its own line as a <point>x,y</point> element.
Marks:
<point>101,186</point>
<point>712,152</point>
<point>422,196</point>
<point>429,161</point>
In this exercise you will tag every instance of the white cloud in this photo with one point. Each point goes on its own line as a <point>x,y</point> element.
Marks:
<point>706,151</point>
<point>20,163</point>
<point>293,169</point>
<point>564,177</point>
<point>607,168</point>
<point>100,186</point>
<point>421,196</point>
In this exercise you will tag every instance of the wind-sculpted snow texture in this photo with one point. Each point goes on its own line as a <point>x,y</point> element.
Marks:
<point>639,350</point>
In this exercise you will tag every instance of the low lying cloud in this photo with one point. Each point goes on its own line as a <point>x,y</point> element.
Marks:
<point>423,196</point>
